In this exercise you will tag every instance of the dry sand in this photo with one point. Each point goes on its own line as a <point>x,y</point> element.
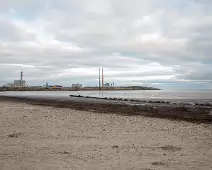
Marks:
<point>43,137</point>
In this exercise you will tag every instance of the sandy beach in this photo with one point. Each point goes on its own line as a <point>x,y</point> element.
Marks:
<point>45,137</point>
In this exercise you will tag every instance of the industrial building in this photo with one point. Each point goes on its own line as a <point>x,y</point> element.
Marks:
<point>101,83</point>
<point>106,85</point>
<point>9,85</point>
<point>19,83</point>
<point>47,86</point>
<point>78,86</point>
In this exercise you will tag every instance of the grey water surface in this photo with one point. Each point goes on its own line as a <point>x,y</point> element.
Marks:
<point>175,95</point>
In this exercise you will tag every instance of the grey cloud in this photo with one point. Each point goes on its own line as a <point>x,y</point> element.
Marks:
<point>10,32</point>
<point>26,8</point>
<point>195,72</point>
<point>170,33</point>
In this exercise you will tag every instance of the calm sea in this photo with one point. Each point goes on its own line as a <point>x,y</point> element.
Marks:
<point>136,94</point>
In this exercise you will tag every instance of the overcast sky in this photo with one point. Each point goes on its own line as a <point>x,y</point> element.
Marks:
<point>160,43</point>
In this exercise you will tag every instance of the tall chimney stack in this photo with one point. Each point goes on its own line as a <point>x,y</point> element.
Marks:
<point>102,78</point>
<point>99,78</point>
<point>21,75</point>
<point>21,81</point>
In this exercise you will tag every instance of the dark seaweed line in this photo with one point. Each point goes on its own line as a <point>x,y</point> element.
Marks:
<point>140,101</point>
<point>192,114</point>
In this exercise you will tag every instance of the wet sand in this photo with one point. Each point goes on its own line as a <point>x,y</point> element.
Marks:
<point>182,110</point>
<point>45,137</point>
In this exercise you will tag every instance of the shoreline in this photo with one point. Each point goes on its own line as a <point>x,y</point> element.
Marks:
<point>77,89</point>
<point>82,90</point>
<point>159,109</point>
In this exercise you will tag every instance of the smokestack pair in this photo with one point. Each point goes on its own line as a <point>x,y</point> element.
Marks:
<point>101,86</point>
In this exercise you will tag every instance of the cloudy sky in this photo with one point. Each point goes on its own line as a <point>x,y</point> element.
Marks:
<point>166,43</point>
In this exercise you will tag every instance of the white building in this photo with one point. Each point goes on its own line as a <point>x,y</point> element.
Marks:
<point>79,86</point>
<point>106,85</point>
<point>9,85</point>
<point>19,83</point>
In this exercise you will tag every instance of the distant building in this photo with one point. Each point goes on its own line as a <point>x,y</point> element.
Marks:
<point>79,86</point>
<point>106,85</point>
<point>19,83</point>
<point>57,87</point>
<point>10,85</point>
<point>47,86</point>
